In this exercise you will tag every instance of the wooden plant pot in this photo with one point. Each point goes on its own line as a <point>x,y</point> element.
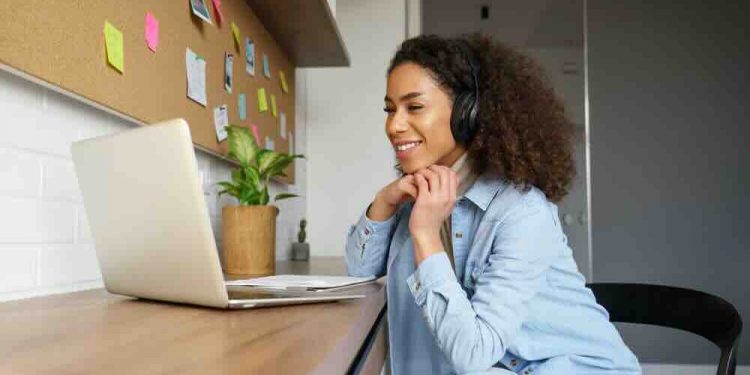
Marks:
<point>249,234</point>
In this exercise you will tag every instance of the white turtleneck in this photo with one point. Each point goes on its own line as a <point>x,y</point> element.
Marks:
<point>466,178</point>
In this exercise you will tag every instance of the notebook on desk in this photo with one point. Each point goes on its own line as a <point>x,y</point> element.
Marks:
<point>148,217</point>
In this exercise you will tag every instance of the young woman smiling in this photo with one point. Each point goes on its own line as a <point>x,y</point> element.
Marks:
<point>480,278</point>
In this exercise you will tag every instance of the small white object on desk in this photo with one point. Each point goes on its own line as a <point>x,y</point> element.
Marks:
<point>305,282</point>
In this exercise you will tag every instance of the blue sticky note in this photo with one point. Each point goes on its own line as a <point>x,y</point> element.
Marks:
<point>242,106</point>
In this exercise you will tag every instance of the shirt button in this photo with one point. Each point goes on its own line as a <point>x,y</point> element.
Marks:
<point>367,231</point>
<point>513,362</point>
<point>459,234</point>
<point>418,286</point>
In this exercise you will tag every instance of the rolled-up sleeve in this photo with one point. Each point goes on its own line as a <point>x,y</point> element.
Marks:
<point>367,245</point>
<point>475,333</point>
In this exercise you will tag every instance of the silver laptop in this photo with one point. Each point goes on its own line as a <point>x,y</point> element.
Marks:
<point>150,224</point>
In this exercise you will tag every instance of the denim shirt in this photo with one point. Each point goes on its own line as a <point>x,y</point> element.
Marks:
<point>515,301</point>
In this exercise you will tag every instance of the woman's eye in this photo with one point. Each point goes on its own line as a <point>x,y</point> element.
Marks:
<point>414,107</point>
<point>388,110</point>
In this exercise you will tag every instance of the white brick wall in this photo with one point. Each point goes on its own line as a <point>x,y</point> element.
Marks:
<point>45,243</point>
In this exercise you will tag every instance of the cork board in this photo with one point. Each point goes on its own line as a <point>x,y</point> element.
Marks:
<point>62,44</point>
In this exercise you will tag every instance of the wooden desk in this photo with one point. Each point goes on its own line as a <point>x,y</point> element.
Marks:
<point>94,332</point>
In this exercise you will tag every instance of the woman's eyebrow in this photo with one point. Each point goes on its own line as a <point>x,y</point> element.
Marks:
<point>410,95</point>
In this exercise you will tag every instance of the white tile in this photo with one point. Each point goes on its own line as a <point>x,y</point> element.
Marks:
<point>18,267</point>
<point>20,173</point>
<point>60,181</point>
<point>65,264</point>
<point>83,229</point>
<point>56,221</point>
<point>19,220</point>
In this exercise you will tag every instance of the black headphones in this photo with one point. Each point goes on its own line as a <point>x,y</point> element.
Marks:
<point>464,121</point>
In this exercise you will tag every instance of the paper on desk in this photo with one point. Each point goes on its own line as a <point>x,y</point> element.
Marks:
<point>301,281</point>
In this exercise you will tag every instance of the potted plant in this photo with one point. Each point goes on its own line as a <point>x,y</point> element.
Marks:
<point>249,228</point>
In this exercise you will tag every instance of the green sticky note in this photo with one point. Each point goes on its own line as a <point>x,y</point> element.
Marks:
<point>273,106</point>
<point>236,33</point>
<point>114,46</point>
<point>262,102</point>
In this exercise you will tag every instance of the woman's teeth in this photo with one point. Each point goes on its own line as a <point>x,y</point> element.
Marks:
<point>407,146</point>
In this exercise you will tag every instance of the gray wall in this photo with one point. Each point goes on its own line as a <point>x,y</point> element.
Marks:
<point>668,125</point>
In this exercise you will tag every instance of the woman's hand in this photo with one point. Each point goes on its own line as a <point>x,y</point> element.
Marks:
<point>436,186</point>
<point>389,198</point>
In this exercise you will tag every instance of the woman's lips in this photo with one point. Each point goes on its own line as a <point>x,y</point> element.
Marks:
<point>408,152</point>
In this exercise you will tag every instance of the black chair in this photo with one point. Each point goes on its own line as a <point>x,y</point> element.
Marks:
<point>689,310</point>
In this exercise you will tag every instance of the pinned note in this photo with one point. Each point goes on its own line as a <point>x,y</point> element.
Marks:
<point>114,47</point>
<point>249,56</point>
<point>217,10</point>
<point>221,120</point>
<point>236,34</point>
<point>228,63</point>
<point>282,124</point>
<point>262,101</point>
<point>200,9</point>
<point>152,32</point>
<point>273,105</point>
<point>269,143</point>
<point>196,76</point>
<point>284,87</point>
<point>255,134</point>
<point>242,105</point>
<point>266,67</point>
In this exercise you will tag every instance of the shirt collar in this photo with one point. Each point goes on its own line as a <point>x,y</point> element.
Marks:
<point>484,189</point>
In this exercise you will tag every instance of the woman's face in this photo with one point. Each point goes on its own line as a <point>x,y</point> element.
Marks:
<point>418,122</point>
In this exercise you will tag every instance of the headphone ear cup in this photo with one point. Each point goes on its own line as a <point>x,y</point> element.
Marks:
<point>463,117</point>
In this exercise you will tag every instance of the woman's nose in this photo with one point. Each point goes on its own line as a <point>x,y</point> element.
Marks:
<point>398,122</point>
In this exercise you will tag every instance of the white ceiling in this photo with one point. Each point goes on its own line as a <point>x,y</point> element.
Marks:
<point>523,23</point>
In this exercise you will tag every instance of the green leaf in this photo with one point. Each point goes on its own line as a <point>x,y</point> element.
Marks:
<point>265,158</point>
<point>242,146</point>
<point>229,188</point>
<point>284,196</point>
<point>252,177</point>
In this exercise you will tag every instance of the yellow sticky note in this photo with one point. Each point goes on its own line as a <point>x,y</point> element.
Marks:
<point>236,33</point>
<point>273,106</point>
<point>262,102</point>
<point>284,87</point>
<point>114,47</point>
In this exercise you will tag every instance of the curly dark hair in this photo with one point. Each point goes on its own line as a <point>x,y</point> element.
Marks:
<point>524,131</point>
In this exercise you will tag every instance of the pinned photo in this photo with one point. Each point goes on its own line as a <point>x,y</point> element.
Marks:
<point>228,63</point>
<point>200,9</point>
<point>250,57</point>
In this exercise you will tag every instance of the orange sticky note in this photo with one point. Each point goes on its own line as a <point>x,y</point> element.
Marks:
<point>114,46</point>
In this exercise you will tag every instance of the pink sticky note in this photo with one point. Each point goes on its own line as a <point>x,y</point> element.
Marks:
<point>255,133</point>
<point>217,9</point>
<point>152,31</point>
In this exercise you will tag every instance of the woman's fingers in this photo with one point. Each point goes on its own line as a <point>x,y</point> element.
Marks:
<point>433,180</point>
<point>409,185</point>
<point>422,187</point>
<point>444,178</point>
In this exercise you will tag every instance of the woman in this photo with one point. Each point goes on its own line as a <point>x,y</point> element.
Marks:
<point>480,277</point>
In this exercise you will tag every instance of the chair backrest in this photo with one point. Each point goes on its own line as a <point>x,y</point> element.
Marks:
<point>685,309</point>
